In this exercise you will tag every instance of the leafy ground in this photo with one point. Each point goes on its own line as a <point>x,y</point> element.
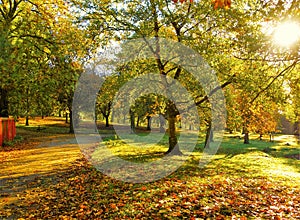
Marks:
<point>44,176</point>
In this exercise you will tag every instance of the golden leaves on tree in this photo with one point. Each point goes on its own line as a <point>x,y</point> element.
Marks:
<point>221,4</point>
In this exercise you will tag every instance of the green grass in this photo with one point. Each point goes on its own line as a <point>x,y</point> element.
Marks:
<point>259,159</point>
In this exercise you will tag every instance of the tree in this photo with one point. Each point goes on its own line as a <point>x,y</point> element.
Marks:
<point>30,32</point>
<point>225,38</point>
<point>194,24</point>
<point>40,37</point>
<point>9,11</point>
<point>106,96</point>
<point>181,22</point>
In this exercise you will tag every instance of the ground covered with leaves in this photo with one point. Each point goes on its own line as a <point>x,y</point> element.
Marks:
<point>48,178</point>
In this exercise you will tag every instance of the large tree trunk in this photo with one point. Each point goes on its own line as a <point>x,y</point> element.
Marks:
<point>173,145</point>
<point>106,120</point>
<point>3,102</point>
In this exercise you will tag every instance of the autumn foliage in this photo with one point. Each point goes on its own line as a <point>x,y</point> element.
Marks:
<point>217,3</point>
<point>221,4</point>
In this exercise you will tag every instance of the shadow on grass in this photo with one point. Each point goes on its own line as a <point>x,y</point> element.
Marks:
<point>230,147</point>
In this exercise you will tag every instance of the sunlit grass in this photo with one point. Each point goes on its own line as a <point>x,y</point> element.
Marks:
<point>233,159</point>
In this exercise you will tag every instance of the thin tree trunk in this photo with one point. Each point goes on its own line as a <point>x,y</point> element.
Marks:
<point>271,137</point>
<point>66,117</point>
<point>71,130</point>
<point>3,103</point>
<point>27,108</point>
<point>209,136</point>
<point>260,136</point>
<point>132,121</point>
<point>27,121</point>
<point>246,135</point>
<point>138,121</point>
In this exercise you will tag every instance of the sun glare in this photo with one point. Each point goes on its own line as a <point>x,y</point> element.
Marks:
<point>287,34</point>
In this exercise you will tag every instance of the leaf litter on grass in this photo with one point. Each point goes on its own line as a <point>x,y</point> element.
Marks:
<point>83,192</point>
<point>236,187</point>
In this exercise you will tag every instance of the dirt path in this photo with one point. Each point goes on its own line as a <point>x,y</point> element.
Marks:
<point>42,163</point>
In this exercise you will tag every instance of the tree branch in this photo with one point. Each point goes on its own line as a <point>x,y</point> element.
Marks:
<point>206,98</point>
<point>35,36</point>
<point>281,73</point>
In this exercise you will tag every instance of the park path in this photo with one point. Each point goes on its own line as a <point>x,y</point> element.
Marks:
<point>37,163</point>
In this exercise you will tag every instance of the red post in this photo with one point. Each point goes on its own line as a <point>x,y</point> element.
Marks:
<point>4,129</point>
<point>7,129</point>
<point>1,132</point>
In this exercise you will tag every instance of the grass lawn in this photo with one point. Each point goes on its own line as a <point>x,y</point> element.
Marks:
<point>44,176</point>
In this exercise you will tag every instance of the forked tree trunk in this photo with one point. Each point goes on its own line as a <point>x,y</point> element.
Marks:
<point>106,116</point>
